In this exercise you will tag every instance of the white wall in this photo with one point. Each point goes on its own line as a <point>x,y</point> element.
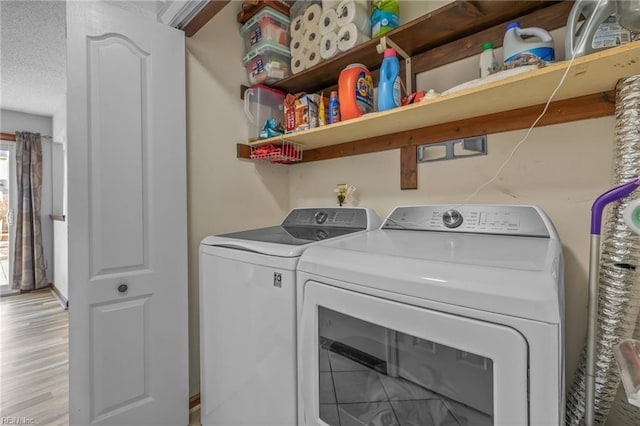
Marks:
<point>224,194</point>
<point>60,234</point>
<point>411,9</point>
<point>15,121</point>
<point>12,121</point>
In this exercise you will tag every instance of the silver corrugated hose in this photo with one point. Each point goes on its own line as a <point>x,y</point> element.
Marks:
<point>619,289</point>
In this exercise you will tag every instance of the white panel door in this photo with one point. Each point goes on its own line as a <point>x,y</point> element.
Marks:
<point>127,219</point>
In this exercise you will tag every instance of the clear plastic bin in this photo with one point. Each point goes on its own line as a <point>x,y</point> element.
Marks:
<point>267,63</point>
<point>260,104</point>
<point>268,25</point>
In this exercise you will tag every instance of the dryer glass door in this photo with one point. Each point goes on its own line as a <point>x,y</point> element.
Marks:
<point>370,361</point>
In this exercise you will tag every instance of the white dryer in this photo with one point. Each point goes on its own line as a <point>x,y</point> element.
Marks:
<point>447,315</point>
<point>248,318</point>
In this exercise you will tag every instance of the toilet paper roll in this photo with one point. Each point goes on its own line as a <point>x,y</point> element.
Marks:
<point>312,16</point>
<point>312,38</point>
<point>298,64</point>
<point>298,46</point>
<point>329,4</point>
<point>312,57</point>
<point>349,37</point>
<point>328,21</point>
<point>329,46</point>
<point>296,28</point>
<point>352,12</point>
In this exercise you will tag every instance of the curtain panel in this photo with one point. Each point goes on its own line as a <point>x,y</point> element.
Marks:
<point>29,271</point>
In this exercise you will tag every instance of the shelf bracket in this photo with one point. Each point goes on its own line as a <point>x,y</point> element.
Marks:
<point>387,42</point>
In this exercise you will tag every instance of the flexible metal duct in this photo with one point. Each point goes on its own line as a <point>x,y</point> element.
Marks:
<point>619,290</point>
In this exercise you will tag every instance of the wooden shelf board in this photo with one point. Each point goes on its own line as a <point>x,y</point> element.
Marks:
<point>598,72</point>
<point>441,26</point>
<point>207,13</point>
<point>597,105</point>
<point>458,19</point>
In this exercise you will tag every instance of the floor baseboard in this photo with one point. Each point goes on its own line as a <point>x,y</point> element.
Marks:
<point>194,401</point>
<point>63,300</point>
<point>6,290</point>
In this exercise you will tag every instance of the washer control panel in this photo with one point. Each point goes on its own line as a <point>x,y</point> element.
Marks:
<point>343,217</point>
<point>471,218</point>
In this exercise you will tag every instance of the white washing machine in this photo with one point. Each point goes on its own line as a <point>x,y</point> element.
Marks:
<point>248,317</point>
<point>446,315</point>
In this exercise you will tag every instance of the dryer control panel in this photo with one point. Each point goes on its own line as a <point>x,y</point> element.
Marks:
<point>529,221</point>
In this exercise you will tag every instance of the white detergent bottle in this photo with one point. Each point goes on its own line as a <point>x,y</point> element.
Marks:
<point>488,62</point>
<point>539,44</point>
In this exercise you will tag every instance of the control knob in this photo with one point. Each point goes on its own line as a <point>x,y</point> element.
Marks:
<point>452,218</point>
<point>320,217</point>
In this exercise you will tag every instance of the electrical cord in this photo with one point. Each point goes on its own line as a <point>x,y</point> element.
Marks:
<point>526,136</point>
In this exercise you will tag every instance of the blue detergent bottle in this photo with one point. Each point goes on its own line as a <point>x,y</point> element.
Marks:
<point>334,108</point>
<point>389,85</point>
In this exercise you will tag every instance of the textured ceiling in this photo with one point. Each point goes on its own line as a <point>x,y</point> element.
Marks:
<point>33,50</point>
<point>32,56</point>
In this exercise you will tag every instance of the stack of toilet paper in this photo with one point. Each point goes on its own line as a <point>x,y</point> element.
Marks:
<point>343,25</point>
<point>305,37</point>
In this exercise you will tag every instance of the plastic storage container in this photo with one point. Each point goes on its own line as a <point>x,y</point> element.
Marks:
<point>260,104</point>
<point>267,63</point>
<point>268,25</point>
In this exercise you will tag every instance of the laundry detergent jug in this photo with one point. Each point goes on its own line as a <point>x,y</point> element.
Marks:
<point>539,44</point>
<point>598,31</point>
<point>629,14</point>
<point>355,91</point>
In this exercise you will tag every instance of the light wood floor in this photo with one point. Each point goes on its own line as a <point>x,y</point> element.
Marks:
<point>34,360</point>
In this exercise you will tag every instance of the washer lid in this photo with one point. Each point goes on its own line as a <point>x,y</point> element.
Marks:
<point>286,241</point>
<point>512,275</point>
<point>300,228</point>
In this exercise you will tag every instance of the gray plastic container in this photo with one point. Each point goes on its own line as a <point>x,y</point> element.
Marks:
<point>599,30</point>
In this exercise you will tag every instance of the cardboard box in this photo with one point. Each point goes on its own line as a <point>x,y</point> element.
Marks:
<point>300,112</point>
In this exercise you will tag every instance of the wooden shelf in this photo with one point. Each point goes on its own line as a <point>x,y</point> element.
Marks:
<point>444,25</point>
<point>591,74</point>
